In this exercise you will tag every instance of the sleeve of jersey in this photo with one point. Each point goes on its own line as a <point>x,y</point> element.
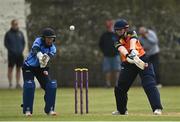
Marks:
<point>133,34</point>
<point>36,46</point>
<point>37,43</point>
<point>52,51</point>
<point>117,44</point>
<point>6,41</point>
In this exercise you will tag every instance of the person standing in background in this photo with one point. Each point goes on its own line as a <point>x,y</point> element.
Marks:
<point>149,40</point>
<point>111,62</point>
<point>15,44</point>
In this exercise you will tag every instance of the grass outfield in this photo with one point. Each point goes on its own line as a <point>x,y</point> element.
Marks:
<point>101,104</point>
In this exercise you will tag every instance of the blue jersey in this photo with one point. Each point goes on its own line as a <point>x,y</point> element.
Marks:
<point>32,59</point>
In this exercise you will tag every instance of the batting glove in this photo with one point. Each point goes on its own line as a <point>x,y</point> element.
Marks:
<point>134,52</point>
<point>130,57</point>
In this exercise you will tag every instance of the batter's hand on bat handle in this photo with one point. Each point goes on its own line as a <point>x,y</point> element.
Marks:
<point>133,52</point>
<point>130,58</point>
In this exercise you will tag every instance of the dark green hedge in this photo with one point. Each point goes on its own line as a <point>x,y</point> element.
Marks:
<point>80,47</point>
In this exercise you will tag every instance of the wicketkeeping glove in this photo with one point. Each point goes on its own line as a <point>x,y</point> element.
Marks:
<point>43,59</point>
<point>39,55</point>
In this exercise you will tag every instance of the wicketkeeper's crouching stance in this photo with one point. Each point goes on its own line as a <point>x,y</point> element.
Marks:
<point>35,65</point>
<point>133,63</point>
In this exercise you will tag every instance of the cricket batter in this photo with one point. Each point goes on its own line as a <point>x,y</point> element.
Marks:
<point>35,65</point>
<point>129,47</point>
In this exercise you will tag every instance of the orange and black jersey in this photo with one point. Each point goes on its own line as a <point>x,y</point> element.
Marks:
<point>125,41</point>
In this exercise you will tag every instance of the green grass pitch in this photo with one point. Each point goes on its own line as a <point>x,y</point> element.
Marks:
<point>101,104</point>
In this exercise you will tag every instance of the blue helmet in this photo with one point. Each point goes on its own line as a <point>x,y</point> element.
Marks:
<point>121,24</point>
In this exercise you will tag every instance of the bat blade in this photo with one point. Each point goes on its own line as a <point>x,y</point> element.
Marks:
<point>139,63</point>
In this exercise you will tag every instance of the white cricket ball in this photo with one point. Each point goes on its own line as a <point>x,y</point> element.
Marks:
<point>72,27</point>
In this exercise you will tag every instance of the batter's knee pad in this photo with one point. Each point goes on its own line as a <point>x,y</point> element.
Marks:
<point>28,95</point>
<point>50,96</point>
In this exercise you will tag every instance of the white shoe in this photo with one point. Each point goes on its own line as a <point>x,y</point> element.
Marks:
<point>52,113</point>
<point>159,86</point>
<point>126,113</point>
<point>28,114</point>
<point>115,113</point>
<point>157,112</point>
<point>118,113</point>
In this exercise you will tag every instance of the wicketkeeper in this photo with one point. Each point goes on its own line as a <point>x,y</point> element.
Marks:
<point>35,65</point>
<point>130,49</point>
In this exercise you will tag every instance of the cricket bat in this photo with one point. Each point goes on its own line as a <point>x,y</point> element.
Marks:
<point>139,63</point>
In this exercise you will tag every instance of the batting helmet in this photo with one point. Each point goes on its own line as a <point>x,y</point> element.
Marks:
<point>48,32</point>
<point>121,24</point>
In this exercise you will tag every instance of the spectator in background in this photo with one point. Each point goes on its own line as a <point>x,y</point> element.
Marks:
<point>149,40</point>
<point>111,62</point>
<point>15,43</point>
